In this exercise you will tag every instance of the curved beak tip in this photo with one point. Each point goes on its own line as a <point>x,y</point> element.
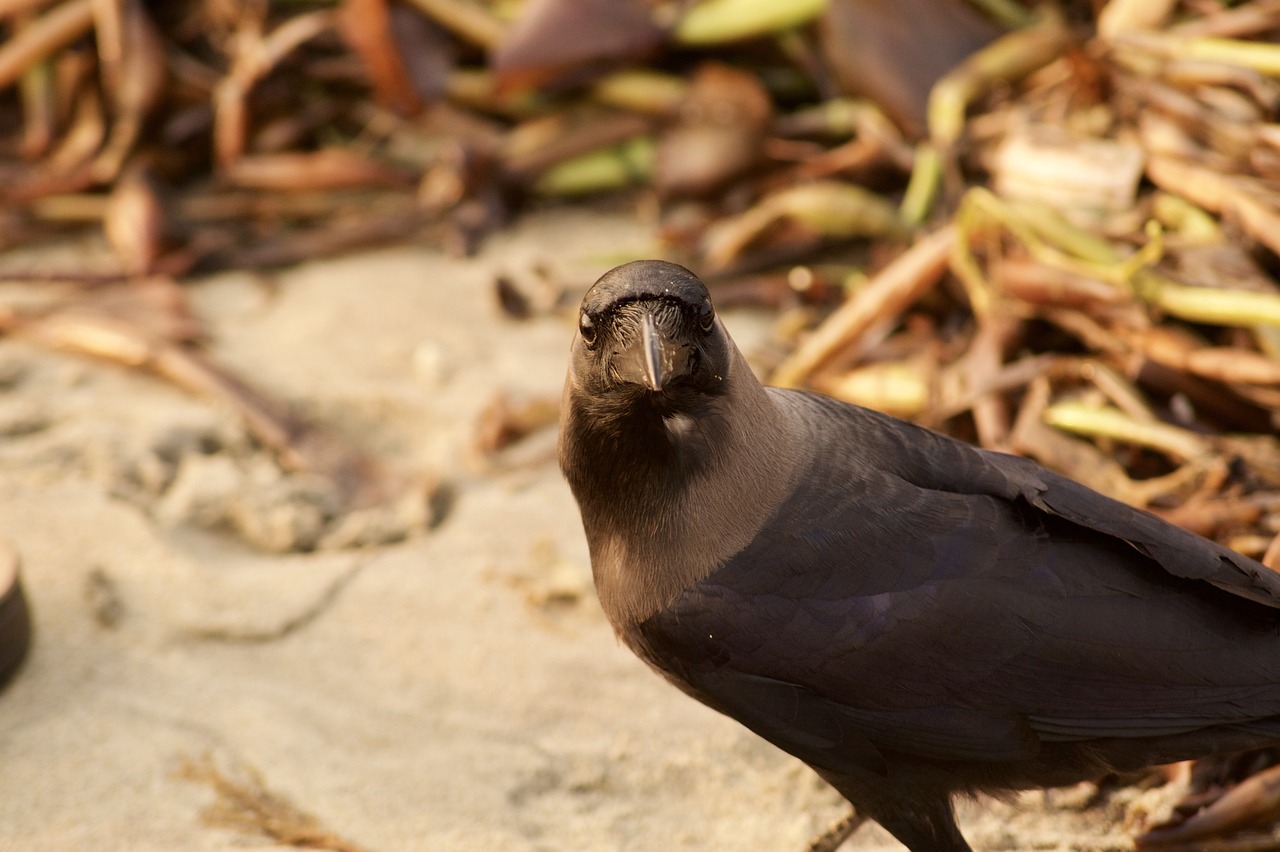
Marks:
<point>656,360</point>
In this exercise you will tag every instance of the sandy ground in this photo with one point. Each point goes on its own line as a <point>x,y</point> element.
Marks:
<point>458,690</point>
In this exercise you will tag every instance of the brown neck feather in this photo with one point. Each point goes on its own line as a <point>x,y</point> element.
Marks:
<point>667,499</point>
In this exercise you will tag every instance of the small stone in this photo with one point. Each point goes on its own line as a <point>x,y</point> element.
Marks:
<point>103,596</point>
<point>202,491</point>
<point>431,363</point>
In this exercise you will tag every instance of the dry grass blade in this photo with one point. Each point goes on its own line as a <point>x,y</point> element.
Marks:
<point>984,358</point>
<point>836,834</point>
<point>245,804</point>
<point>1010,58</point>
<point>1211,516</point>
<point>1247,19</point>
<point>13,8</point>
<point>896,286</point>
<point>1254,800</point>
<point>1228,365</point>
<point>1109,422</point>
<point>825,209</point>
<point>328,169</point>
<point>136,83</point>
<point>48,33</point>
<point>1120,16</point>
<point>534,147</point>
<point>147,328</point>
<point>256,54</point>
<point>957,392</point>
<point>1078,459</point>
<point>717,21</point>
<point>1227,195</point>
<point>901,388</point>
<point>1033,283</point>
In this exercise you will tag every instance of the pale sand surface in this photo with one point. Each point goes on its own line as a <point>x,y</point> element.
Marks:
<point>456,691</point>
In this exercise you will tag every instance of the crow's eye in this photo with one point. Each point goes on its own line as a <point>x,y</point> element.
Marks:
<point>706,315</point>
<point>587,328</point>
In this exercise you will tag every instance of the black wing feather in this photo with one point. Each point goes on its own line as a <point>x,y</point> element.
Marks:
<point>916,595</point>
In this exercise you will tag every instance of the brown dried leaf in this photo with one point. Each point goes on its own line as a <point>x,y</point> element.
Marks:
<point>554,41</point>
<point>427,51</point>
<point>1228,265</point>
<point>528,296</point>
<point>147,309</point>
<point>470,21</point>
<point>893,51</point>
<point>719,133</point>
<point>365,25</point>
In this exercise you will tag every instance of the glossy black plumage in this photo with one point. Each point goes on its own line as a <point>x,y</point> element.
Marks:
<point>911,616</point>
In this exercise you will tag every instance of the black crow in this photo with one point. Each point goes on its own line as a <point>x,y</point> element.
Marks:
<point>911,616</point>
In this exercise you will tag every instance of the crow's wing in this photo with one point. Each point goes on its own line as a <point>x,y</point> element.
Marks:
<point>862,439</point>
<point>918,596</point>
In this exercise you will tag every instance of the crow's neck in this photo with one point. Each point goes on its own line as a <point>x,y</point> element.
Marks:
<point>667,497</point>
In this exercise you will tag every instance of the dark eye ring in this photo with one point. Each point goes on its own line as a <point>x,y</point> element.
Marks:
<point>706,315</point>
<point>587,328</point>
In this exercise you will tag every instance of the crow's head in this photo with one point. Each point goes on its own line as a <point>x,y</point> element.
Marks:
<point>648,334</point>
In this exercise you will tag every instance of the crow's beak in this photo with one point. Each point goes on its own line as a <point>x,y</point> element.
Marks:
<point>656,353</point>
<point>653,358</point>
